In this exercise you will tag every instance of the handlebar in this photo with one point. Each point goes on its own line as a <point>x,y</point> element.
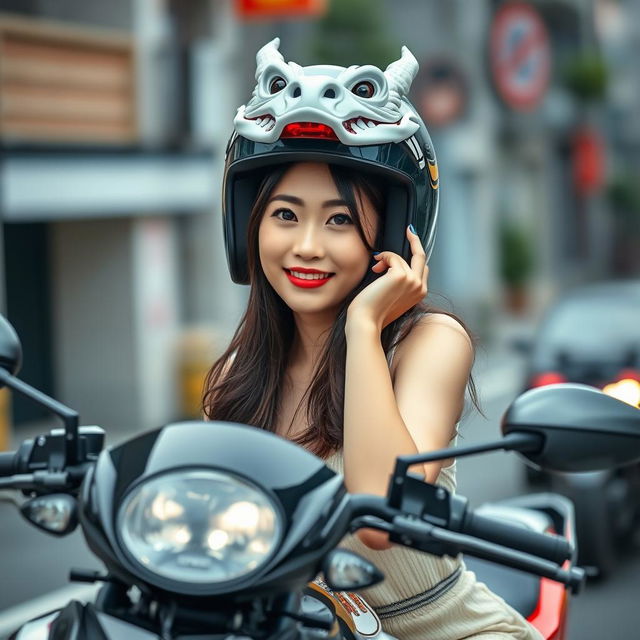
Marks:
<point>8,463</point>
<point>544,545</point>
<point>478,535</point>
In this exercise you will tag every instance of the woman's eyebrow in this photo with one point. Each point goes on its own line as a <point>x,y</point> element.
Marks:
<point>300,202</point>
<point>286,198</point>
<point>334,203</point>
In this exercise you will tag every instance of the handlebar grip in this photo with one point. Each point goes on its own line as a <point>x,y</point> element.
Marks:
<point>544,545</point>
<point>8,463</point>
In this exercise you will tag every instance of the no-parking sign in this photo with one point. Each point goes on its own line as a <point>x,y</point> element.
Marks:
<point>519,56</point>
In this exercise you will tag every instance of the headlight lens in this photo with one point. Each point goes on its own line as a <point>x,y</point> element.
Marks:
<point>199,526</point>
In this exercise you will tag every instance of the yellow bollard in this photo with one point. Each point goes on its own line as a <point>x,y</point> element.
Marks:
<point>196,354</point>
<point>5,420</point>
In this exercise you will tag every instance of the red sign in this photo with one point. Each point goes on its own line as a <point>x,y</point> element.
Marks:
<point>520,56</point>
<point>588,161</point>
<point>280,8</point>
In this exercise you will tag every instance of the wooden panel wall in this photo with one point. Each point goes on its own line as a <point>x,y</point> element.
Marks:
<point>65,84</point>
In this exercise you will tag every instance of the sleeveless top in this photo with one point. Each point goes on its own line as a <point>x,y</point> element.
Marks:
<point>412,578</point>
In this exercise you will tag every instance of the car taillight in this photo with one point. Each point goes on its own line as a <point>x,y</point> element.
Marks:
<point>548,377</point>
<point>626,387</point>
<point>628,374</point>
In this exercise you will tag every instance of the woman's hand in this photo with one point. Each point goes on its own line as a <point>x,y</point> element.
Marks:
<point>399,289</point>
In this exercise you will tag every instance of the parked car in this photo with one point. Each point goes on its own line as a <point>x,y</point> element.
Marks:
<point>592,336</point>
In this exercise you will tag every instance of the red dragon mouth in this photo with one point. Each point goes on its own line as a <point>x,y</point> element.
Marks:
<point>353,125</point>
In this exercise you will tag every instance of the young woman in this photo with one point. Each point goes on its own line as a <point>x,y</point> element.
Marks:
<point>330,206</point>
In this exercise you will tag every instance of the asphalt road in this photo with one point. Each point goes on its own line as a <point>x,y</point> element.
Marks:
<point>34,564</point>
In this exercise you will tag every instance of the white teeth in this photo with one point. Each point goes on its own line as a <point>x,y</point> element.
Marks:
<point>309,276</point>
<point>361,123</point>
<point>370,124</point>
<point>258,120</point>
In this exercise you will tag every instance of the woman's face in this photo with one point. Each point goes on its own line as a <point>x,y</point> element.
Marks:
<point>309,246</point>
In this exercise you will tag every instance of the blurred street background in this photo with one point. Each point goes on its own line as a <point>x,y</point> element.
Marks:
<point>114,118</point>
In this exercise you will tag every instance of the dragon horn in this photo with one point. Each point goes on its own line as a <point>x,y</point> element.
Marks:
<point>400,75</point>
<point>267,54</point>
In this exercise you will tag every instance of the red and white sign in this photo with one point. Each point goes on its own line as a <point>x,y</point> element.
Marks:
<point>520,56</point>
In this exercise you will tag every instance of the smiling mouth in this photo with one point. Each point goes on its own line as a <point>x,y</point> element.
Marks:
<point>308,279</point>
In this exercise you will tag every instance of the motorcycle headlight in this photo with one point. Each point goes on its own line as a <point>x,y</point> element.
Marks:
<point>199,526</point>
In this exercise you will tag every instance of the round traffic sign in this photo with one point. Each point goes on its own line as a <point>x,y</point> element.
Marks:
<point>520,55</point>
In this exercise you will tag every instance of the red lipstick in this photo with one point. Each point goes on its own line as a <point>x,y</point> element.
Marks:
<point>305,283</point>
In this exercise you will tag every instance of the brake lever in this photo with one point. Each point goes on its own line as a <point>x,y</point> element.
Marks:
<point>418,533</point>
<point>370,522</point>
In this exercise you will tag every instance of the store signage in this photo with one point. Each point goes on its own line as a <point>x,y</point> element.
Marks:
<point>280,8</point>
<point>519,56</point>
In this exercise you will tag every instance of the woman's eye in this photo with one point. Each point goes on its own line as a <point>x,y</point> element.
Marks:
<point>364,89</point>
<point>277,84</point>
<point>284,214</point>
<point>341,219</point>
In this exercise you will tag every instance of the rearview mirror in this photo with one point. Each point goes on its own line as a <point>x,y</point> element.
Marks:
<point>581,428</point>
<point>10,349</point>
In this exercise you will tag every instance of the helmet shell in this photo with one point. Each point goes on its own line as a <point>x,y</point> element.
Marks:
<point>406,165</point>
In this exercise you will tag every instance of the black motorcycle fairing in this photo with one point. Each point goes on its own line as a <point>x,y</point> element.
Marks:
<point>312,511</point>
<point>294,477</point>
<point>275,463</point>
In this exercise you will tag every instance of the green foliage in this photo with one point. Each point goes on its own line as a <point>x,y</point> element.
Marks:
<point>516,254</point>
<point>623,193</point>
<point>586,76</point>
<point>353,32</point>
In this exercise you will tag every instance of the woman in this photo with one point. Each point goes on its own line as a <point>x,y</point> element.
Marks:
<point>331,198</point>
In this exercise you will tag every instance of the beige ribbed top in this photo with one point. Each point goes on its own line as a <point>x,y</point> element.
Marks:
<point>407,572</point>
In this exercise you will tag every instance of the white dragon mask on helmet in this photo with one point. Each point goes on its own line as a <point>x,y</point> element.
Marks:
<point>362,104</point>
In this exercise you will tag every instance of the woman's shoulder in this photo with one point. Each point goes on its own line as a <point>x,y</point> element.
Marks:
<point>439,338</point>
<point>436,326</point>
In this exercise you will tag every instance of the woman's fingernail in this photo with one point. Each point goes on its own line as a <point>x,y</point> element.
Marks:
<point>412,229</point>
<point>375,253</point>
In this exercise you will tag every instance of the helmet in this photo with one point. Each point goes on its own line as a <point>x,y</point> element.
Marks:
<point>357,117</point>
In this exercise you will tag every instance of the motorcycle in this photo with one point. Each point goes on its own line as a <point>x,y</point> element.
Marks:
<point>219,531</point>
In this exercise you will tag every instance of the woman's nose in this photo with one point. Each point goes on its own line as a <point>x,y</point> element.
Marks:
<point>309,243</point>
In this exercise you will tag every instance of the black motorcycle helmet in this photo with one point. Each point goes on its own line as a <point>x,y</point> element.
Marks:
<point>357,117</point>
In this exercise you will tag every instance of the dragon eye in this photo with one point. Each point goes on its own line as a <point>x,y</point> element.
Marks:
<point>277,84</point>
<point>364,89</point>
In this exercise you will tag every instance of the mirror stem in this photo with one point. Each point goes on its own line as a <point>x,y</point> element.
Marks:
<point>68,416</point>
<point>514,441</point>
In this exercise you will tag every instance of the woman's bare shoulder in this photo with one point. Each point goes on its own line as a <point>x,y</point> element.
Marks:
<point>438,345</point>
<point>439,328</point>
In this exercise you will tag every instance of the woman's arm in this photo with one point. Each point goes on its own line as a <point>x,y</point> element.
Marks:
<point>420,410</point>
<point>418,413</point>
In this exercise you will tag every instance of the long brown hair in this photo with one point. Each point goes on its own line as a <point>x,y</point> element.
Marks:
<point>245,384</point>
